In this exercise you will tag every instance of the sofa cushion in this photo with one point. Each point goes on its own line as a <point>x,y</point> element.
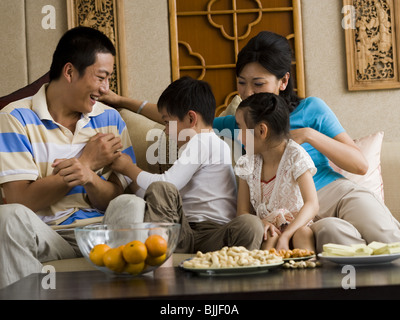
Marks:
<point>370,146</point>
<point>144,133</point>
<point>391,176</point>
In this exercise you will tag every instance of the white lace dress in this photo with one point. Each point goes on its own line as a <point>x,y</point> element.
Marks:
<point>283,201</point>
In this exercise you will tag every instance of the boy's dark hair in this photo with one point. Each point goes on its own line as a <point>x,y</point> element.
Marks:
<point>268,108</point>
<point>79,46</point>
<point>187,94</point>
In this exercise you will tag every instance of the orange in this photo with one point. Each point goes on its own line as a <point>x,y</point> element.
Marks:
<point>155,261</point>
<point>156,245</point>
<point>114,260</point>
<point>97,253</point>
<point>134,252</point>
<point>134,268</point>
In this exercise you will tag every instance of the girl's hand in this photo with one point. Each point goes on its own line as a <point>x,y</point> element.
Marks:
<point>283,243</point>
<point>270,230</point>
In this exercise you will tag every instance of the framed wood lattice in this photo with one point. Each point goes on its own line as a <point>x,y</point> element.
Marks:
<point>207,35</point>
<point>372,44</point>
<point>106,16</point>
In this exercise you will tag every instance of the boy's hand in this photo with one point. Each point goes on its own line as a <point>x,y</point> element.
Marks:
<point>122,164</point>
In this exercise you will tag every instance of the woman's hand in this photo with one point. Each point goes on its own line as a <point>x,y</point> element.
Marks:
<point>300,135</point>
<point>110,98</point>
<point>341,149</point>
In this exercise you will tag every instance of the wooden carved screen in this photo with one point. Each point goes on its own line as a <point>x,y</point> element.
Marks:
<point>207,35</point>
<point>108,17</point>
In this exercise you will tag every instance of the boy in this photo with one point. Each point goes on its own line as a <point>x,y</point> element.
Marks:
<point>205,205</point>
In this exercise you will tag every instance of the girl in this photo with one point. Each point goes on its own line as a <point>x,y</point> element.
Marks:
<point>276,180</point>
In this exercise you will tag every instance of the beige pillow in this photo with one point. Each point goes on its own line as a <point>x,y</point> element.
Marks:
<point>231,108</point>
<point>371,148</point>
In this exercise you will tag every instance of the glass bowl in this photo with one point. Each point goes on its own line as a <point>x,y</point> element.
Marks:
<point>128,242</point>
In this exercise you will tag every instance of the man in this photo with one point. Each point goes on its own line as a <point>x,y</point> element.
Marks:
<point>47,144</point>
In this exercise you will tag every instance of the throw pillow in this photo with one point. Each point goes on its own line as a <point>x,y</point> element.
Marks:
<point>371,148</point>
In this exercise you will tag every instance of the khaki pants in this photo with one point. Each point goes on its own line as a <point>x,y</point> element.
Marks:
<point>26,241</point>
<point>351,214</point>
<point>163,203</point>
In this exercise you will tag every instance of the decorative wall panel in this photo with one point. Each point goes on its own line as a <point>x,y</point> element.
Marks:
<point>106,16</point>
<point>371,29</point>
<point>207,35</point>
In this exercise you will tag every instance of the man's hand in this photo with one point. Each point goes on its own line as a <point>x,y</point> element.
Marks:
<point>101,150</point>
<point>73,172</point>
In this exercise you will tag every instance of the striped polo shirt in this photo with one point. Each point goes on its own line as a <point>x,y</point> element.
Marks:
<point>30,141</point>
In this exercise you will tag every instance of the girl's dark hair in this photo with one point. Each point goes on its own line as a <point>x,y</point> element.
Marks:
<point>268,108</point>
<point>273,52</point>
<point>187,94</point>
<point>79,46</point>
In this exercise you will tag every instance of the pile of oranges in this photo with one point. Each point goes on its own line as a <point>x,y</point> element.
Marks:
<point>132,257</point>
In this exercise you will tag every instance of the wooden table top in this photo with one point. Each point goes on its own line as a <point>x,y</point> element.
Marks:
<point>331,281</point>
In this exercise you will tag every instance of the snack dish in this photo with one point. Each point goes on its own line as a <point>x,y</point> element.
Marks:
<point>361,254</point>
<point>294,254</point>
<point>232,261</point>
<point>361,260</point>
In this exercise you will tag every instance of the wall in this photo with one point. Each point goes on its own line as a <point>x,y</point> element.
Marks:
<point>361,112</point>
<point>26,48</point>
<point>148,60</point>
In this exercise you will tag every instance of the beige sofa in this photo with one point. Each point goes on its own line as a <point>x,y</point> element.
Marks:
<point>139,126</point>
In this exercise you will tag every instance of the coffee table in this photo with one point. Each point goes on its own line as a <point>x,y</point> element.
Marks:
<point>331,281</point>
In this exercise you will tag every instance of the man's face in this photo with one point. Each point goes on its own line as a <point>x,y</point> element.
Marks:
<point>87,88</point>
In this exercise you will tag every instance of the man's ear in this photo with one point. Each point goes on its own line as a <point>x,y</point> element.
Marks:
<point>68,71</point>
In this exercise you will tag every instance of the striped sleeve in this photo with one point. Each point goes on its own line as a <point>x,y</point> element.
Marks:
<point>16,152</point>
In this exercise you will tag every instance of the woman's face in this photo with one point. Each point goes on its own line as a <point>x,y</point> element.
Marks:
<point>254,78</point>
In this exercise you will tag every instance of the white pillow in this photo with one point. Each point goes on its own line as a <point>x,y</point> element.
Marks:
<point>371,148</point>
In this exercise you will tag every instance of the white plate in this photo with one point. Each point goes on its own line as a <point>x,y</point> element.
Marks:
<point>361,260</point>
<point>232,271</point>
<point>299,258</point>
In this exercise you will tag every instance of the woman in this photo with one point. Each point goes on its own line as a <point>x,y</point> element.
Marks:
<point>348,213</point>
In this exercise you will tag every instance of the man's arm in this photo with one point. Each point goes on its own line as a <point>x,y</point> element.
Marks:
<point>99,191</point>
<point>36,195</point>
<point>44,192</point>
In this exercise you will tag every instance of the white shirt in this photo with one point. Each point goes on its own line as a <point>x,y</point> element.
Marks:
<point>204,176</point>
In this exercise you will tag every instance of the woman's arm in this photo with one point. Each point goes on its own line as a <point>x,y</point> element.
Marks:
<point>341,150</point>
<point>149,110</point>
